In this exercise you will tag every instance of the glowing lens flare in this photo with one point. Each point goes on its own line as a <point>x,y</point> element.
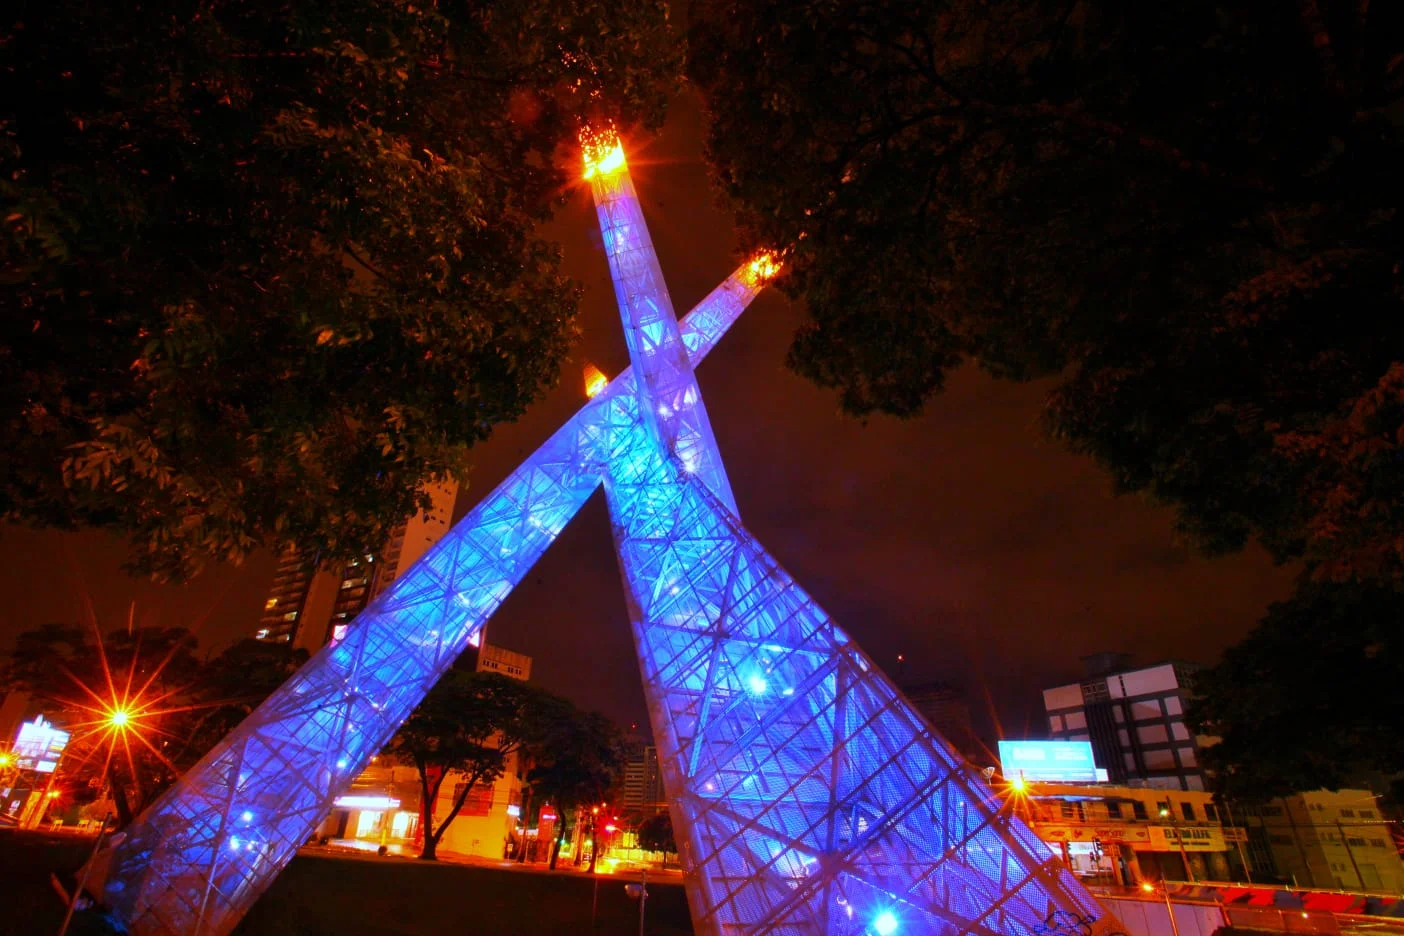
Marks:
<point>1016,783</point>
<point>595,381</point>
<point>885,924</point>
<point>602,152</point>
<point>119,718</point>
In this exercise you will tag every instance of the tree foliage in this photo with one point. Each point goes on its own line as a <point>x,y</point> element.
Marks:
<point>266,269</point>
<point>470,724</point>
<point>1188,215</point>
<point>656,834</point>
<point>577,761</point>
<point>181,705</point>
<point>1278,732</point>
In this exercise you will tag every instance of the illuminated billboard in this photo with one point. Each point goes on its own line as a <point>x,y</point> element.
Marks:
<point>39,746</point>
<point>1053,761</point>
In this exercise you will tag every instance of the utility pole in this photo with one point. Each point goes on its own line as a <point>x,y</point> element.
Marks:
<point>1242,857</point>
<point>83,879</point>
<point>1168,811</point>
<point>1345,840</point>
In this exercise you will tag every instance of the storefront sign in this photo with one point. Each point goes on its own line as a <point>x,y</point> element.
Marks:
<point>39,746</point>
<point>1092,833</point>
<point>1191,838</point>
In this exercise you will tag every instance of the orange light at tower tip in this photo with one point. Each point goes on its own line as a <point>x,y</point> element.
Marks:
<point>602,152</point>
<point>595,381</point>
<point>761,269</point>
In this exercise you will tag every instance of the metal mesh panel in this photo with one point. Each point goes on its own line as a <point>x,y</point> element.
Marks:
<point>810,796</point>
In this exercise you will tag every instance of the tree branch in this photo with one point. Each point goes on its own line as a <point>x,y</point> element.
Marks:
<point>361,262</point>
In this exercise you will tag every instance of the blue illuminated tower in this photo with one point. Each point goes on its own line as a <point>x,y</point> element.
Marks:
<point>808,797</point>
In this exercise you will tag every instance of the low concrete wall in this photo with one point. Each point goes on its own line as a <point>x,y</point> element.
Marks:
<point>1151,918</point>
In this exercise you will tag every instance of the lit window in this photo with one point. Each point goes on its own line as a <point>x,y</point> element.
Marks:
<point>270,604</point>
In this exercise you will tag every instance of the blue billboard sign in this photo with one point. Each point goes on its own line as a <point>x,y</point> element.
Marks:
<point>1056,761</point>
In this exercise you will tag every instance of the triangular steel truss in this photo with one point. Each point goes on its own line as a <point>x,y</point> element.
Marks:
<point>807,795</point>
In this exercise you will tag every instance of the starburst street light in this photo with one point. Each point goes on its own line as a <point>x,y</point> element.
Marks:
<point>120,713</point>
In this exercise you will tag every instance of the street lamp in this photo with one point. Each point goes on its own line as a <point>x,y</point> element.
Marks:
<point>1149,888</point>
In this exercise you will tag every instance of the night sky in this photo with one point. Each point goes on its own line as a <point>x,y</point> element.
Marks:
<point>962,539</point>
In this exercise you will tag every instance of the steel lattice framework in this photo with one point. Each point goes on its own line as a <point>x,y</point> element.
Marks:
<point>808,796</point>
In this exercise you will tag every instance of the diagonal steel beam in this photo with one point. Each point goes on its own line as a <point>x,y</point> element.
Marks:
<point>202,854</point>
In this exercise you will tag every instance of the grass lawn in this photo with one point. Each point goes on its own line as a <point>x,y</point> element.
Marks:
<point>324,896</point>
<point>333,896</point>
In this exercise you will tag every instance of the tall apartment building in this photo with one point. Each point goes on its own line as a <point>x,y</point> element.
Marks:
<point>1134,718</point>
<point>1336,839</point>
<point>309,604</point>
<point>947,708</point>
<point>642,788</point>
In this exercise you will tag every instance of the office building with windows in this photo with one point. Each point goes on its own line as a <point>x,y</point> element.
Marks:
<point>1335,839</point>
<point>309,605</point>
<point>1123,836</point>
<point>1135,720</point>
<point>642,787</point>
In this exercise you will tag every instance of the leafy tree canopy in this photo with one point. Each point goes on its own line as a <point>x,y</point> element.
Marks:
<point>267,268</point>
<point>576,761</point>
<point>1277,733</point>
<point>1190,211</point>
<point>1188,216</point>
<point>470,723</point>
<point>656,834</point>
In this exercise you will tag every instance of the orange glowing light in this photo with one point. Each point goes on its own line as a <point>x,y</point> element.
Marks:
<point>602,152</point>
<point>6,760</point>
<point>761,269</point>
<point>595,380</point>
<point>1017,784</point>
<point>124,711</point>
<point>1148,887</point>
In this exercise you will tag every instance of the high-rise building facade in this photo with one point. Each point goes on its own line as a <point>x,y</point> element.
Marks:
<point>946,707</point>
<point>1135,720</point>
<point>642,788</point>
<point>308,605</point>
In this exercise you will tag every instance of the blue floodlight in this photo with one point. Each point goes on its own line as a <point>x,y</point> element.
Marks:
<point>885,924</point>
<point>757,685</point>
